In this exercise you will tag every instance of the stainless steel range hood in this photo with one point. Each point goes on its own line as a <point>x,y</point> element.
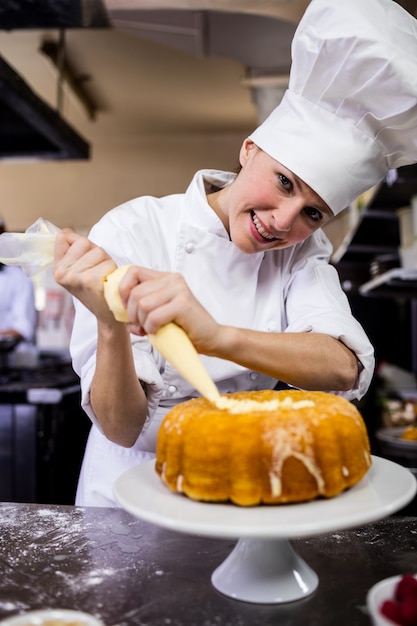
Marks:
<point>23,14</point>
<point>30,128</point>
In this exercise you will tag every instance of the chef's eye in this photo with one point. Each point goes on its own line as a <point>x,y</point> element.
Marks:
<point>313,214</point>
<point>285,182</point>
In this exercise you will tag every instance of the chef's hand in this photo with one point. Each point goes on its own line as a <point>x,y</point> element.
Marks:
<point>154,299</point>
<point>79,267</point>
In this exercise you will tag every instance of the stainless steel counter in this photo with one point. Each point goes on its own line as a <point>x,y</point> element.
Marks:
<point>126,571</point>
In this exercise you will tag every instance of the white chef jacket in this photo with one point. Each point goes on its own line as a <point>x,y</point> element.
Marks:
<point>290,290</point>
<point>17,302</point>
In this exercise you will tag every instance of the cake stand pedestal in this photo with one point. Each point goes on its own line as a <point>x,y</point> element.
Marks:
<point>264,571</point>
<point>263,567</point>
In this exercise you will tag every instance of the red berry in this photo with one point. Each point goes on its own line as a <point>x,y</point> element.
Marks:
<point>409,611</point>
<point>406,587</point>
<point>392,610</point>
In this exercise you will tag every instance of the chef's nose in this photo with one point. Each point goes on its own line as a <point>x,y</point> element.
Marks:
<point>285,215</point>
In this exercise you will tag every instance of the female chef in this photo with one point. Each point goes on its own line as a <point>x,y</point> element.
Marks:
<point>240,261</point>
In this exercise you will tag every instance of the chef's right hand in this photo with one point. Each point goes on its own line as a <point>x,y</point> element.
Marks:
<point>79,267</point>
<point>154,298</point>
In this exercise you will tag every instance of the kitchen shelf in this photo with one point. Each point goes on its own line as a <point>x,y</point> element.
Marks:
<point>395,282</point>
<point>374,237</point>
<point>382,294</point>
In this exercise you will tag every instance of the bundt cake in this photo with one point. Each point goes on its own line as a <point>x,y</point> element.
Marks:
<point>263,447</point>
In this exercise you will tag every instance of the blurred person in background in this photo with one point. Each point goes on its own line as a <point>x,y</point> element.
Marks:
<point>17,302</point>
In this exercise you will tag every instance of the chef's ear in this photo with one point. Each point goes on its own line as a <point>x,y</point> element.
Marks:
<point>245,150</point>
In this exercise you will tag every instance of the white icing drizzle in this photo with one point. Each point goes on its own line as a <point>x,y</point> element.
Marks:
<point>367,457</point>
<point>180,480</point>
<point>234,405</point>
<point>163,471</point>
<point>176,425</point>
<point>295,440</point>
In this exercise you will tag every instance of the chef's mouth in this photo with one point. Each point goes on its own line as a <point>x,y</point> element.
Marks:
<point>267,236</point>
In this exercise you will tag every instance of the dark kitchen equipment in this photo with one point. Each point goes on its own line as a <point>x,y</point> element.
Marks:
<point>43,432</point>
<point>391,446</point>
<point>7,344</point>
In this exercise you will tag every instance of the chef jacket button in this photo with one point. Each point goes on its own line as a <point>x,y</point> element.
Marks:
<point>272,327</point>
<point>189,247</point>
<point>253,375</point>
<point>172,389</point>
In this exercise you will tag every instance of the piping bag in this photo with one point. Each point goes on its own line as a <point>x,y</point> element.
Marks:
<point>33,251</point>
<point>170,340</point>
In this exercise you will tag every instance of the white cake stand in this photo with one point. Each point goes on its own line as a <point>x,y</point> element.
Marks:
<point>263,567</point>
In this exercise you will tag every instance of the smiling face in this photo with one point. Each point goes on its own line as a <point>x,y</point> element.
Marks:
<point>267,207</point>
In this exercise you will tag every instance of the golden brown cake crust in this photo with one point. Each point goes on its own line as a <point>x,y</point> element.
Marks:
<point>314,444</point>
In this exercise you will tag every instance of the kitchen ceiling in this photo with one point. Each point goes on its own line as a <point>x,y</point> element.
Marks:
<point>153,66</point>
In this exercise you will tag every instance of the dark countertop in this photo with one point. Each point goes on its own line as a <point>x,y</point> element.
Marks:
<point>126,571</point>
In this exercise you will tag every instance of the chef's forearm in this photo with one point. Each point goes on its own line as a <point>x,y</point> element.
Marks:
<point>117,397</point>
<point>310,361</point>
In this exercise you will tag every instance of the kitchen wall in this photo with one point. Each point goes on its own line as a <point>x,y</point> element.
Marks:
<point>161,115</point>
<point>77,194</point>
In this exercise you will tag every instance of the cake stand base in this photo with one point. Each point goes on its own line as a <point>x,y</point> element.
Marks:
<point>264,571</point>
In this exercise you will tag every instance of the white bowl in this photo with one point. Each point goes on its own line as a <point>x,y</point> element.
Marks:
<point>52,617</point>
<point>384,590</point>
